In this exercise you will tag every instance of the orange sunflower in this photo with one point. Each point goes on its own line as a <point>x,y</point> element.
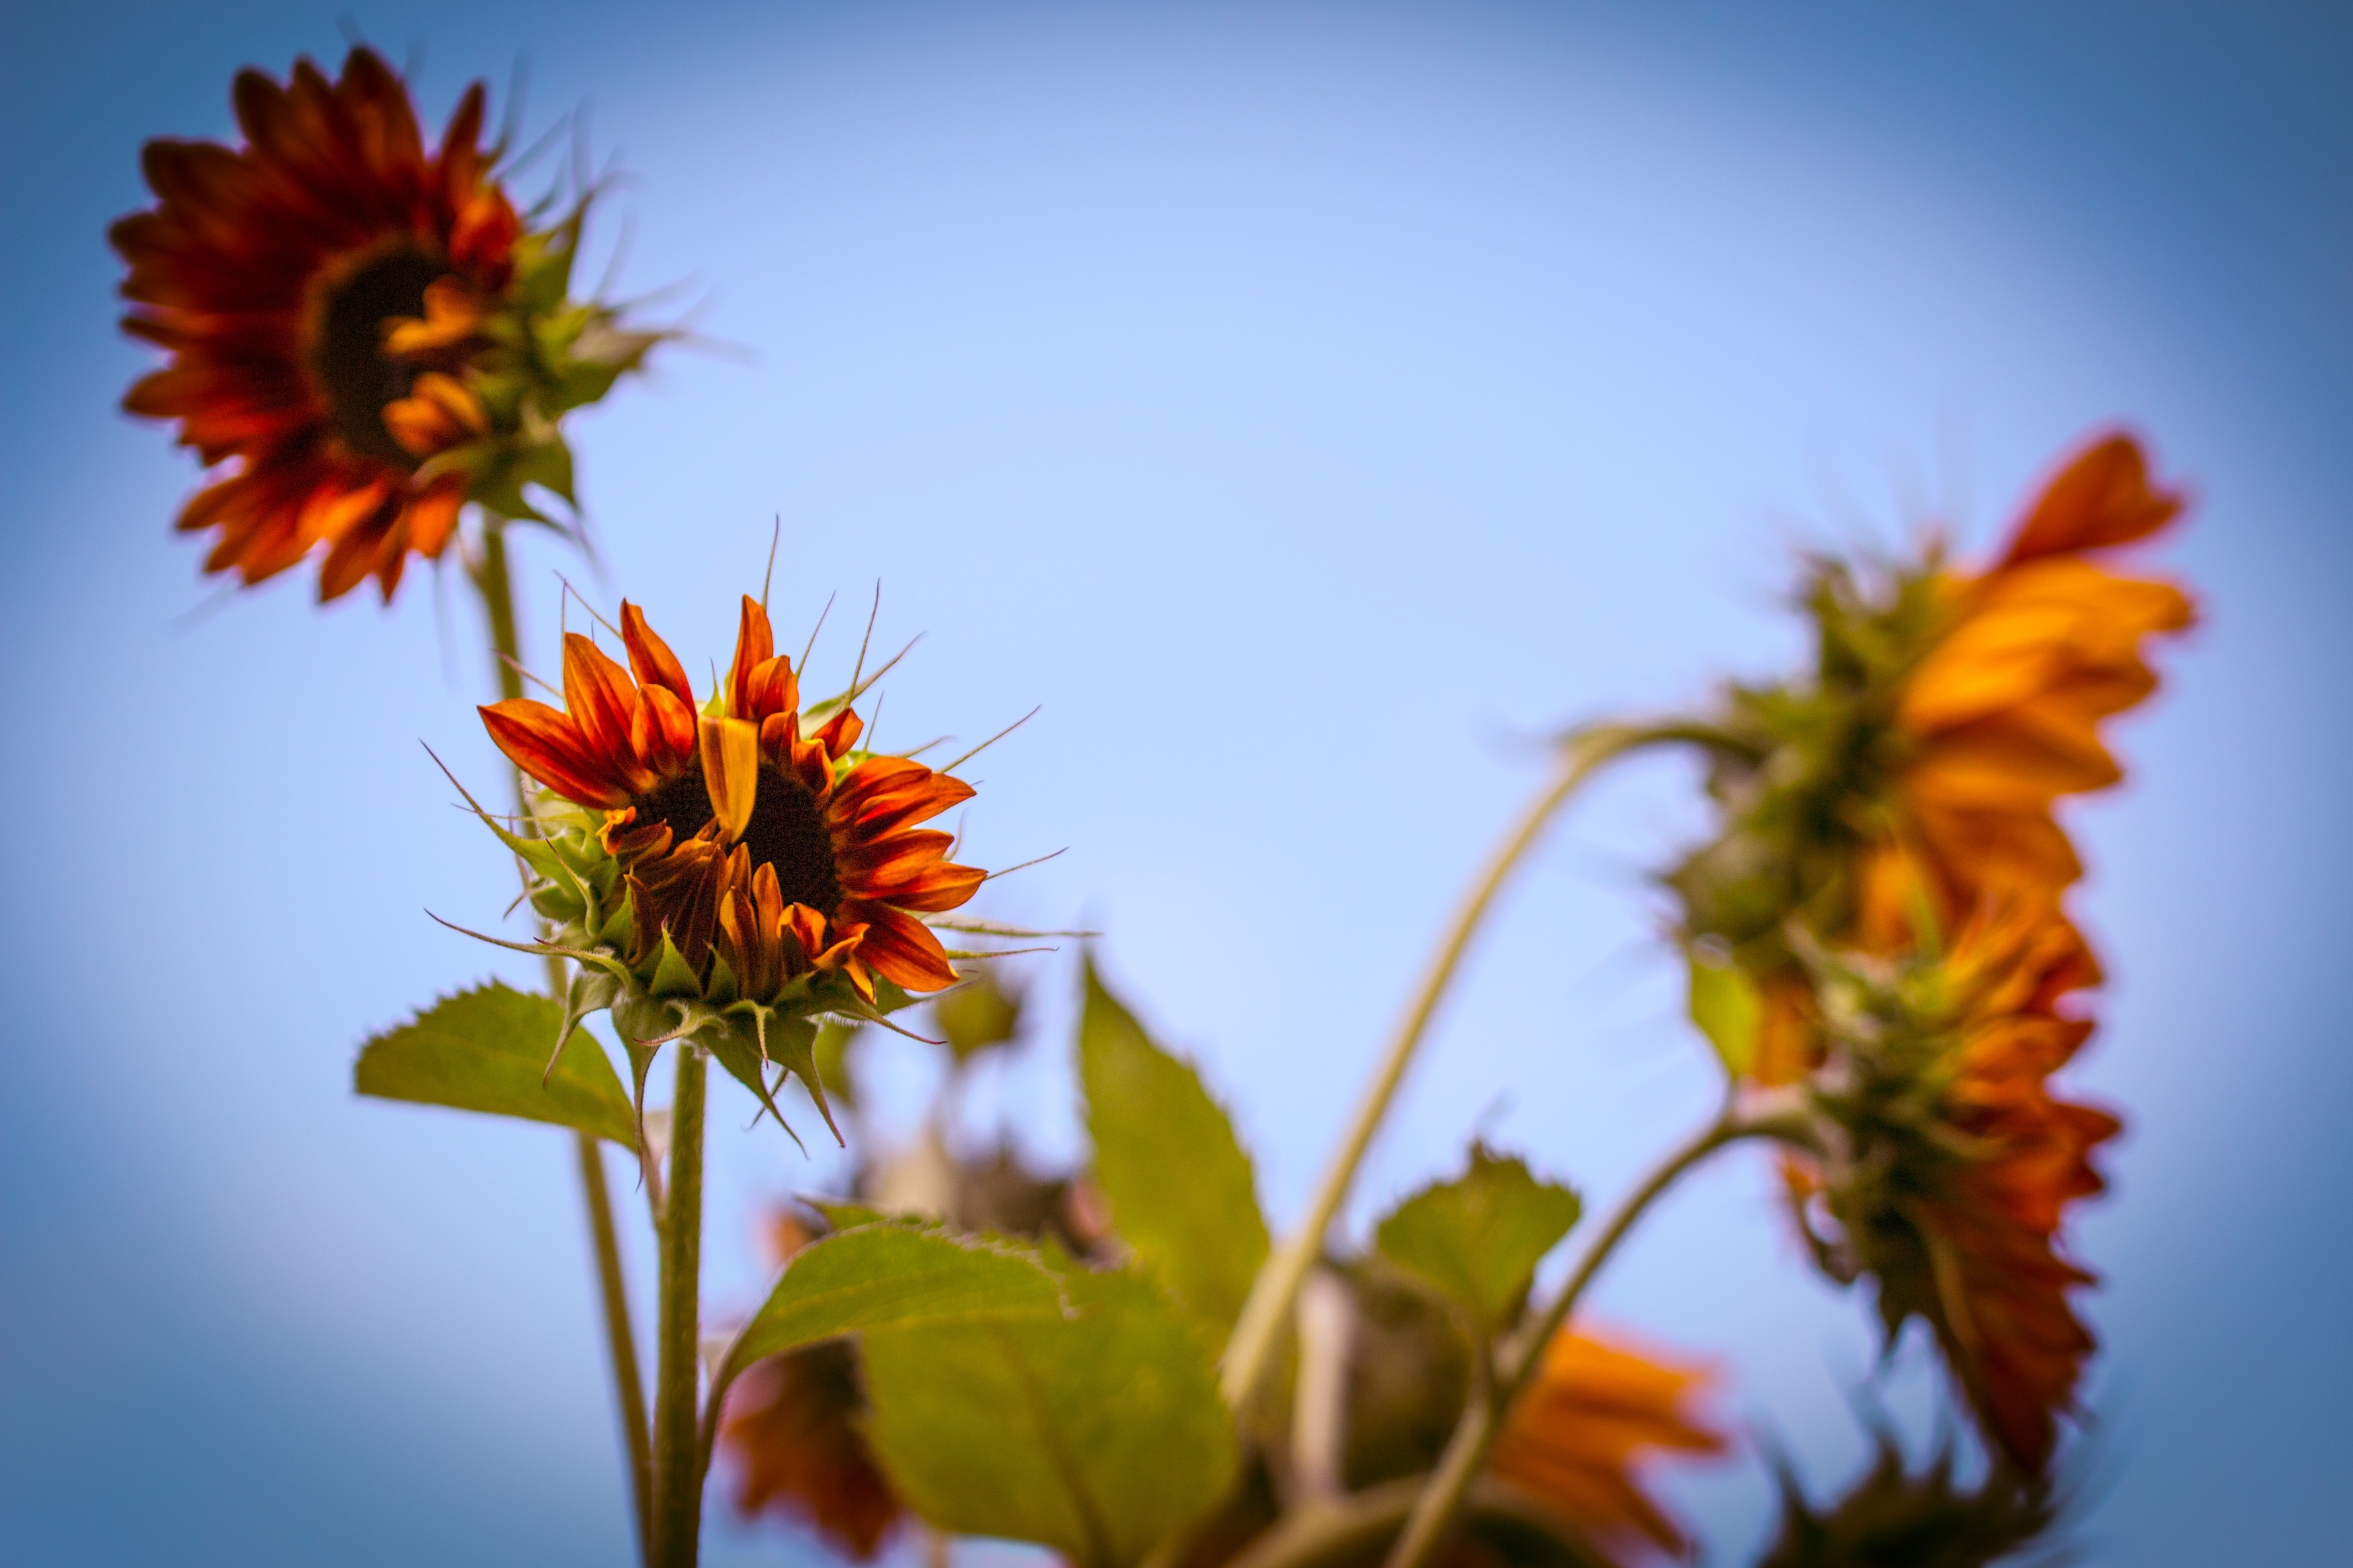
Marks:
<point>1916,770</point>
<point>2002,715</point>
<point>1947,1163</point>
<point>1595,1410</point>
<point>363,330</point>
<point>740,838</point>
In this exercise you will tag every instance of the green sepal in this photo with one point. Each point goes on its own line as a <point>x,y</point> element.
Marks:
<point>590,990</point>
<point>672,975</point>
<point>1728,1010</point>
<point>485,1049</point>
<point>1478,1238</point>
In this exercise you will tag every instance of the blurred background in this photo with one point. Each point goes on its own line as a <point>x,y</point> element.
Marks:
<point>1309,406</point>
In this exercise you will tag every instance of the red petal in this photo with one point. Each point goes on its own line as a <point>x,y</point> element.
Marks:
<point>548,746</point>
<point>651,659</point>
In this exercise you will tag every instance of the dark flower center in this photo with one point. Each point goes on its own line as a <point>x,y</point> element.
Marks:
<point>347,347</point>
<point>787,831</point>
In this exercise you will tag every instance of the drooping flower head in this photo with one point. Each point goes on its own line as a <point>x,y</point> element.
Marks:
<point>1915,771</point>
<point>1942,1164</point>
<point>363,335</point>
<point>720,866</point>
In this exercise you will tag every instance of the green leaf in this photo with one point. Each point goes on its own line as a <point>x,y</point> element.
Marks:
<point>485,1049</point>
<point>1179,1184</point>
<point>1479,1238</point>
<point>1099,1437</point>
<point>888,1275</point>
<point>1726,1005</point>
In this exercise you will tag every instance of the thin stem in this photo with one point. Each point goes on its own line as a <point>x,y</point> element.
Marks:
<point>1250,1351</point>
<point>496,585</point>
<point>677,1518</point>
<point>1440,1502</point>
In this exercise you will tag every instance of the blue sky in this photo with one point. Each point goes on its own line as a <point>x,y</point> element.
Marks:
<point>1307,404</point>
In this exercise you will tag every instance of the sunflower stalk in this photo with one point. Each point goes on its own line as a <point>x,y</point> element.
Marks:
<point>495,584</point>
<point>1250,1350</point>
<point>674,1528</point>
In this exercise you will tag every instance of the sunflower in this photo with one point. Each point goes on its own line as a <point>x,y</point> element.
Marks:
<point>1916,772</point>
<point>758,859</point>
<point>1943,1164</point>
<point>1595,1409</point>
<point>2002,715</point>
<point>365,334</point>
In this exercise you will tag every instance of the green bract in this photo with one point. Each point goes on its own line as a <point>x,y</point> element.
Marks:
<point>546,354</point>
<point>578,887</point>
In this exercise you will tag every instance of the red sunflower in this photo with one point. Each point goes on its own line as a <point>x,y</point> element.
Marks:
<point>779,851</point>
<point>363,329</point>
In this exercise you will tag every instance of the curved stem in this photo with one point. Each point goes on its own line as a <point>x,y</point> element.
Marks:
<point>1250,1351</point>
<point>1440,1502</point>
<point>496,587</point>
<point>677,1517</point>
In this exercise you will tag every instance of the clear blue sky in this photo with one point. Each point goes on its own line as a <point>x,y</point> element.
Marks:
<point>1301,402</point>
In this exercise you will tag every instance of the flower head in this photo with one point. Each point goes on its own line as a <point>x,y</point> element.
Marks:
<point>1596,1410</point>
<point>723,867</point>
<point>1943,1164</point>
<point>367,334</point>
<point>1914,772</point>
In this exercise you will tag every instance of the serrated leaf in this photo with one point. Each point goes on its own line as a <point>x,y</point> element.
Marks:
<point>1180,1187</point>
<point>1479,1238</point>
<point>1726,1007</point>
<point>1099,1437</point>
<point>884,1275</point>
<point>485,1049</point>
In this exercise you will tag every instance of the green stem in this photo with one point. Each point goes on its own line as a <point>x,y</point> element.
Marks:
<point>1436,1510</point>
<point>677,1490</point>
<point>1250,1352</point>
<point>496,585</point>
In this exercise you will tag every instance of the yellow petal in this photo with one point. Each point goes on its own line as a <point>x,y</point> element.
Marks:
<point>731,770</point>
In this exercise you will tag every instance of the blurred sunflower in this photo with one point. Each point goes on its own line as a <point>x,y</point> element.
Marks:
<point>366,332</point>
<point>758,859</point>
<point>1594,1412</point>
<point>2002,714</point>
<point>1914,772</point>
<point>1942,1164</point>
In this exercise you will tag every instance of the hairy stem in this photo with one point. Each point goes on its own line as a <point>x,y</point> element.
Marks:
<point>676,1518</point>
<point>496,585</point>
<point>1440,1502</point>
<point>1250,1352</point>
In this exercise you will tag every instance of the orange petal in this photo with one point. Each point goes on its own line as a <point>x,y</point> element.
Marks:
<point>651,659</point>
<point>548,746</point>
<point>2101,498</point>
<point>755,644</point>
<point>900,947</point>
<point>598,694</point>
<point>731,770</point>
